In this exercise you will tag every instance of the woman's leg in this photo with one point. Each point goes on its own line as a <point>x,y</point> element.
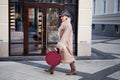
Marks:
<point>51,70</point>
<point>73,69</point>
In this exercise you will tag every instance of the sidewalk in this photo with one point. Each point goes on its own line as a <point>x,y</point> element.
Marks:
<point>104,64</point>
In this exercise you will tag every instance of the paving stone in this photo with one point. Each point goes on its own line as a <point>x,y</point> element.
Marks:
<point>104,64</point>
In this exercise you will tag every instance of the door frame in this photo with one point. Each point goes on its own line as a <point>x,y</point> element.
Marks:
<point>44,7</point>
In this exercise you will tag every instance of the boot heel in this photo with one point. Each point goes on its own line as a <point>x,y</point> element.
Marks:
<point>72,73</point>
<point>50,71</point>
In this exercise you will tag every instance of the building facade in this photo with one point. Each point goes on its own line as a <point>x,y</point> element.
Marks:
<point>106,18</point>
<point>29,27</point>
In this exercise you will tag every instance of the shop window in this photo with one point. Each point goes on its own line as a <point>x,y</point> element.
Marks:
<point>14,0</point>
<point>16,23</point>
<point>94,6</point>
<point>43,1</point>
<point>116,28</point>
<point>52,24</point>
<point>103,27</point>
<point>118,6</point>
<point>67,1</point>
<point>49,1</point>
<point>104,6</point>
<point>23,26</point>
<point>93,26</point>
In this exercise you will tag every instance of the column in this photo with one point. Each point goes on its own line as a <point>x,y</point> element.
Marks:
<point>4,28</point>
<point>84,28</point>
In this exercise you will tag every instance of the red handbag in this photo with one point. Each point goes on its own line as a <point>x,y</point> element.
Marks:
<point>53,58</point>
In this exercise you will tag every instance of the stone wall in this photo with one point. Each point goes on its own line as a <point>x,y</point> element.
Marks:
<point>84,27</point>
<point>4,28</point>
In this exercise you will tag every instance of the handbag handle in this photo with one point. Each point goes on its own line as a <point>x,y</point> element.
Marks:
<point>55,49</point>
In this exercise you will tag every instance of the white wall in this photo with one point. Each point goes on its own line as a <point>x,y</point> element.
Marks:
<point>109,6</point>
<point>84,27</point>
<point>4,28</point>
<point>98,7</point>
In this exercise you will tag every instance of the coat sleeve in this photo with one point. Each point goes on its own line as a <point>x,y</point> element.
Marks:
<point>66,36</point>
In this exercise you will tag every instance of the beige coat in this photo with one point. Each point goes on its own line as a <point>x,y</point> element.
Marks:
<point>65,33</point>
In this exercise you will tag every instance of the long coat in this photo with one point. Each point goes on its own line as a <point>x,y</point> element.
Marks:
<point>65,45</point>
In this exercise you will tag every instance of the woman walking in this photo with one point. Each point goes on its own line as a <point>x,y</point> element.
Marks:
<point>64,44</point>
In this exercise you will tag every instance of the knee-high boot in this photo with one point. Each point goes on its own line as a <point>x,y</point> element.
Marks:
<point>51,70</point>
<point>73,69</point>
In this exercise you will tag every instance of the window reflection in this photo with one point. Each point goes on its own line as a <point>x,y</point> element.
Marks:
<point>14,0</point>
<point>67,1</point>
<point>52,24</point>
<point>118,5</point>
<point>35,23</point>
<point>35,33</point>
<point>16,23</point>
<point>52,18</point>
<point>48,1</point>
<point>103,27</point>
<point>55,1</point>
<point>116,28</point>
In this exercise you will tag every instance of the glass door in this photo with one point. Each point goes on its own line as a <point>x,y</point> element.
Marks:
<point>33,25</point>
<point>52,24</point>
<point>35,31</point>
<point>16,39</point>
<point>41,23</point>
